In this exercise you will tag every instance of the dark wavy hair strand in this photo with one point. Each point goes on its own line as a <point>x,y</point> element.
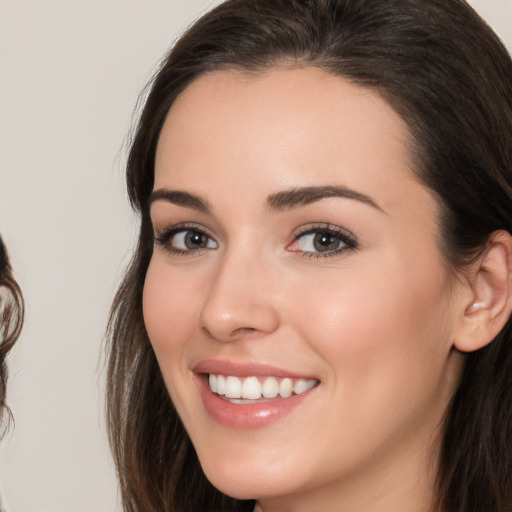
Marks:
<point>11,321</point>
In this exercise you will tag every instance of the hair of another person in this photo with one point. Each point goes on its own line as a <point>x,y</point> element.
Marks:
<point>448,75</point>
<point>11,321</point>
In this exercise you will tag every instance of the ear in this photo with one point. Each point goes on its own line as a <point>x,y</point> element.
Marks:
<point>490,304</point>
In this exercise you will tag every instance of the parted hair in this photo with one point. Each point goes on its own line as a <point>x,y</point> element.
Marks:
<point>439,65</point>
<point>11,321</point>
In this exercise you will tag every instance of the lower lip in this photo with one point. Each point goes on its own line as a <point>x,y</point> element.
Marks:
<point>244,416</point>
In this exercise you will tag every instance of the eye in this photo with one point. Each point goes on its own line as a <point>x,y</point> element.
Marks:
<point>322,241</point>
<point>188,240</point>
<point>183,240</point>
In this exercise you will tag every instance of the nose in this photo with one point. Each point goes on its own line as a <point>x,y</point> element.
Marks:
<point>240,301</point>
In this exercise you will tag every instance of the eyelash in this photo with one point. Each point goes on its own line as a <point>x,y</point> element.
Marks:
<point>344,237</point>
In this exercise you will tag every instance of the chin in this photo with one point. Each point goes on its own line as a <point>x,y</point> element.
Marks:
<point>246,478</point>
<point>249,487</point>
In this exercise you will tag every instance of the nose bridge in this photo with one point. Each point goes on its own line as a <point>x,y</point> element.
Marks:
<point>239,299</point>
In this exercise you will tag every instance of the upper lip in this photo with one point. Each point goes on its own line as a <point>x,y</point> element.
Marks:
<point>246,369</point>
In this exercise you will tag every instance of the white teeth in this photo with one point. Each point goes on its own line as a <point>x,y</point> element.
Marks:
<point>286,388</point>
<point>251,388</point>
<point>221,385</point>
<point>270,388</point>
<point>233,387</point>
<point>213,382</point>
<point>300,386</point>
<point>254,388</point>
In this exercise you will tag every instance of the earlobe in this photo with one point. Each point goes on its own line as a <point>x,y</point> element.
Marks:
<point>491,295</point>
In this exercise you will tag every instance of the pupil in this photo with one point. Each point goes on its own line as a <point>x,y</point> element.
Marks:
<point>325,242</point>
<point>195,240</point>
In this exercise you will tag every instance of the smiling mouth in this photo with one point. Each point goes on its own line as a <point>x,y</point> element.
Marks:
<point>254,389</point>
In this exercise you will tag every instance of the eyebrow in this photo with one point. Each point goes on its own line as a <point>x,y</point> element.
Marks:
<point>278,202</point>
<point>180,198</point>
<point>295,197</point>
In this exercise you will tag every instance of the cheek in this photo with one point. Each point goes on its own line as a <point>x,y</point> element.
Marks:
<point>168,309</point>
<point>379,328</point>
<point>170,317</point>
<point>386,344</point>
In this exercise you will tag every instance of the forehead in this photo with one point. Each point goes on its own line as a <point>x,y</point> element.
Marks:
<point>284,128</point>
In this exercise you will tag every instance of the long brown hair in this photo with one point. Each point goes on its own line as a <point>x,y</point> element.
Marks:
<point>447,74</point>
<point>11,320</point>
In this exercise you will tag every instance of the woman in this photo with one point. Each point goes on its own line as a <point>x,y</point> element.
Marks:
<point>11,311</point>
<point>317,316</point>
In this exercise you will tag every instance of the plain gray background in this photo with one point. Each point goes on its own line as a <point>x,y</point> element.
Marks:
<point>70,75</point>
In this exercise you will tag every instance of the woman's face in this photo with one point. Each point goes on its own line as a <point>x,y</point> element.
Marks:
<point>296,253</point>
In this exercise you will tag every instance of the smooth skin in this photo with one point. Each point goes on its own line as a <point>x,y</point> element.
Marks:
<point>353,291</point>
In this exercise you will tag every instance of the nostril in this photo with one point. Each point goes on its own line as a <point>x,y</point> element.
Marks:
<point>242,330</point>
<point>238,333</point>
